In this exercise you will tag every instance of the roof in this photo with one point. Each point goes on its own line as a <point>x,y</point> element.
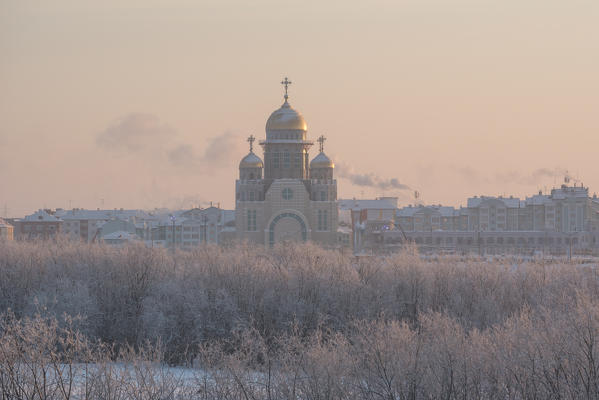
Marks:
<point>376,204</point>
<point>569,191</point>
<point>251,161</point>
<point>286,118</point>
<point>80,213</point>
<point>41,216</point>
<point>322,161</point>
<point>444,211</point>
<point>538,199</point>
<point>4,223</point>
<point>511,202</point>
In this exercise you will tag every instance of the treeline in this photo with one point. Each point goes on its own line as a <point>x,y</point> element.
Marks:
<point>298,321</point>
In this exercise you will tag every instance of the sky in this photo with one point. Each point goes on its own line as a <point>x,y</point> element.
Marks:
<point>144,104</point>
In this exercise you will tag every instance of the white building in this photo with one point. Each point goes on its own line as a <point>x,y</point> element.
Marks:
<point>287,197</point>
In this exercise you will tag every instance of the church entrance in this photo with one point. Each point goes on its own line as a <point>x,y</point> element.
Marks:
<point>287,226</point>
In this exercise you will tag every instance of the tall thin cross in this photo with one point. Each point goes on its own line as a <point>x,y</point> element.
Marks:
<point>286,83</point>
<point>321,140</point>
<point>251,141</point>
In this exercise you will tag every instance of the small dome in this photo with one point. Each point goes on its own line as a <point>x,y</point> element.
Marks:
<point>286,118</point>
<point>251,161</point>
<point>322,161</point>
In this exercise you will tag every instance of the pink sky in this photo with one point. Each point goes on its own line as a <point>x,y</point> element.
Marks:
<point>143,104</point>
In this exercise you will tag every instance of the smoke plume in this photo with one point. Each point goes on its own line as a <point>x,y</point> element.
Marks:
<point>134,133</point>
<point>147,137</point>
<point>220,151</point>
<point>368,180</point>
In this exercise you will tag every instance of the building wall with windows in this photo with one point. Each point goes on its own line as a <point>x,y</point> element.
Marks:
<point>40,225</point>
<point>6,230</point>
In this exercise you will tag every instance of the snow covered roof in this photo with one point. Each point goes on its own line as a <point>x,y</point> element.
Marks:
<point>81,214</point>
<point>251,161</point>
<point>376,204</point>
<point>43,216</point>
<point>4,224</point>
<point>321,161</point>
<point>444,211</point>
<point>511,202</point>
<point>569,191</point>
<point>538,199</point>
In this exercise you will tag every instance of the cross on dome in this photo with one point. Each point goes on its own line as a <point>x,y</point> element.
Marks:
<point>286,83</point>
<point>251,139</point>
<point>321,141</point>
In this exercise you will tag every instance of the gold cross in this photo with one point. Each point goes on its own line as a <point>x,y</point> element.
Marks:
<point>321,140</point>
<point>286,83</point>
<point>251,141</point>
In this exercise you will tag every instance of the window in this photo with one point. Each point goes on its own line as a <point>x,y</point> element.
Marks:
<point>323,196</point>
<point>286,159</point>
<point>251,222</point>
<point>252,195</point>
<point>287,194</point>
<point>275,160</point>
<point>323,223</point>
<point>297,160</point>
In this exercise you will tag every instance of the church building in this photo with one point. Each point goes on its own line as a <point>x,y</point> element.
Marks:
<point>286,197</point>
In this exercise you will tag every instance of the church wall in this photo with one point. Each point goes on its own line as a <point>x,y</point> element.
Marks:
<point>241,221</point>
<point>275,203</point>
<point>328,236</point>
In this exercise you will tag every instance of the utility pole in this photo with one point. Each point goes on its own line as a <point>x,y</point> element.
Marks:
<point>173,218</point>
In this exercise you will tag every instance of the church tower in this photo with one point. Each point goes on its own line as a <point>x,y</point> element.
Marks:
<point>286,197</point>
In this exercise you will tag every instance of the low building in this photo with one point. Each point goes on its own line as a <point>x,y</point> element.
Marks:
<point>564,222</point>
<point>6,230</point>
<point>40,225</point>
<point>192,228</point>
<point>84,225</point>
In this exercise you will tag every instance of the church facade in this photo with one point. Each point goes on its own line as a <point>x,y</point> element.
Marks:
<point>286,197</point>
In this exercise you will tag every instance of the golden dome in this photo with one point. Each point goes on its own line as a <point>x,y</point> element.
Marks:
<point>251,161</point>
<point>286,118</point>
<point>322,161</point>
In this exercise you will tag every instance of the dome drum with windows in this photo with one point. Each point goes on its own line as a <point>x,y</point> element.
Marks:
<point>285,149</point>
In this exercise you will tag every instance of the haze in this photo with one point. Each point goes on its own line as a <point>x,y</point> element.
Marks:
<point>142,104</point>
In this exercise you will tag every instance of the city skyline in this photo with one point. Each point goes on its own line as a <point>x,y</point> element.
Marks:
<point>144,105</point>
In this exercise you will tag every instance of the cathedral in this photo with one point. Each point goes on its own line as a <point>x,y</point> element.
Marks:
<point>286,197</point>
